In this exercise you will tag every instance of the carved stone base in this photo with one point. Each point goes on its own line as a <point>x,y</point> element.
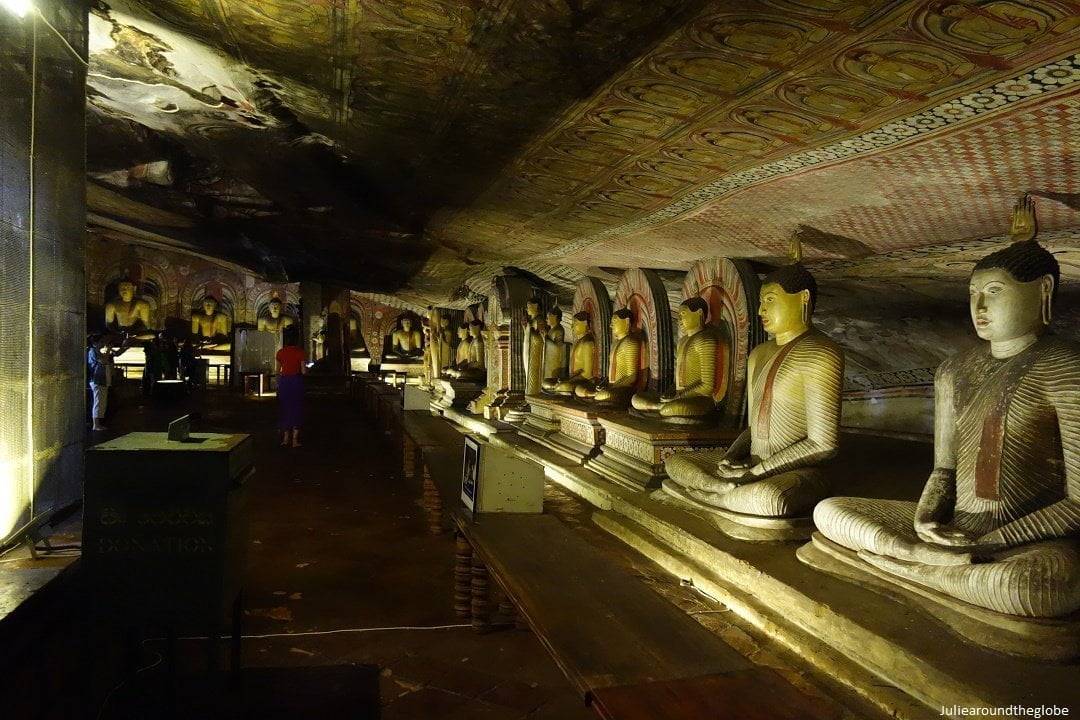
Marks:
<point>455,393</point>
<point>634,449</point>
<point>409,369</point>
<point>567,427</point>
<point>1036,638</point>
<point>508,407</point>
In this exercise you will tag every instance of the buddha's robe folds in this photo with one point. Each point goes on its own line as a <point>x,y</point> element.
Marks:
<point>533,355</point>
<point>696,358</point>
<point>794,427</point>
<point>1007,457</point>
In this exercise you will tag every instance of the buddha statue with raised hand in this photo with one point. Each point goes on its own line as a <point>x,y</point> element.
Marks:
<point>533,346</point>
<point>998,521</point>
<point>583,370</point>
<point>695,369</point>
<point>554,349</point>
<point>773,468</point>
<point>624,366</point>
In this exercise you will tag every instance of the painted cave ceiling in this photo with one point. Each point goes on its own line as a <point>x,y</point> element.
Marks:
<point>417,146</point>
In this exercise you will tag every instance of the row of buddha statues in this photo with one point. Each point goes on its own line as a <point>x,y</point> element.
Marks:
<point>131,315</point>
<point>998,523</point>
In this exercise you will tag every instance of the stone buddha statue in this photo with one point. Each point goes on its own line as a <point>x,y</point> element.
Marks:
<point>998,522</point>
<point>211,325</point>
<point>274,321</point>
<point>129,314</point>
<point>406,341</point>
<point>446,340</point>
<point>772,469</point>
<point>583,370</point>
<point>469,356</point>
<point>554,348</point>
<point>477,357</point>
<point>533,347</point>
<point>624,365</point>
<point>696,357</point>
<point>461,354</point>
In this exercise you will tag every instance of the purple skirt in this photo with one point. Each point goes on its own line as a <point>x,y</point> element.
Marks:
<point>290,393</point>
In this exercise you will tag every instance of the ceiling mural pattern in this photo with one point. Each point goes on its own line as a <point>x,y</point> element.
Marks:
<point>878,201</point>
<point>417,147</point>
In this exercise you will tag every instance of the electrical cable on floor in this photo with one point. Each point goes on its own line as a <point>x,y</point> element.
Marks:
<point>340,631</point>
<point>108,696</point>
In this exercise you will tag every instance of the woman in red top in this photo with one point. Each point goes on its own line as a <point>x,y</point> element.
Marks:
<point>290,368</point>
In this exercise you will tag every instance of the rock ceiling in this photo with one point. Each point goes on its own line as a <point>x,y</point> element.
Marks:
<point>414,146</point>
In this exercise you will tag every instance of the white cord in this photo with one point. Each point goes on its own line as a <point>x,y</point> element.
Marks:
<point>335,632</point>
<point>63,39</point>
<point>151,666</point>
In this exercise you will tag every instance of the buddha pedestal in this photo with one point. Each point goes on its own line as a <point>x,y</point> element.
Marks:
<point>995,535</point>
<point>571,429</point>
<point>773,474</point>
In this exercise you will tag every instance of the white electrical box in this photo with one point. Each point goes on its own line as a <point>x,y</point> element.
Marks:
<point>494,480</point>
<point>415,399</point>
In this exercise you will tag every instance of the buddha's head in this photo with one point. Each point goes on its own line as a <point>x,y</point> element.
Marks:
<point>581,324</point>
<point>463,331</point>
<point>532,308</point>
<point>126,290</point>
<point>406,324</point>
<point>693,314</point>
<point>787,298</point>
<point>621,321</point>
<point>1012,291</point>
<point>476,329</point>
<point>275,308</point>
<point>444,322</point>
<point>554,317</point>
<point>209,306</point>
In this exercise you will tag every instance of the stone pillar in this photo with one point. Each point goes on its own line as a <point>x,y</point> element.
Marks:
<point>463,557</point>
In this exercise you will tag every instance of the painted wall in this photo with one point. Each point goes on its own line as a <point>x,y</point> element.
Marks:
<point>42,228</point>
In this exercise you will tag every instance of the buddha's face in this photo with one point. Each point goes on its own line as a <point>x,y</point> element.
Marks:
<point>552,319</point>
<point>1003,308</point>
<point>406,324</point>
<point>444,322</point>
<point>275,309</point>
<point>620,327</point>
<point>476,331</point>
<point>532,309</point>
<point>581,327</point>
<point>209,306</point>
<point>691,320</point>
<point>127,291</point>
<point>462,333</point>
<point>780,311</point>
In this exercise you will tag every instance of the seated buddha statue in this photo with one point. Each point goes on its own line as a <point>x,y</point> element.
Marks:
<point>998,522</point>
<point>625,365</point>
<point>773,468</point>
<point>695,369</point>
<point>533,347</point>
<point>406,342</point>
<point>554,348</point>
<point>583,370</point>
<point>274,321</point>
<point>210,326</point>
<point>128,313</point>
<point>469,356</point>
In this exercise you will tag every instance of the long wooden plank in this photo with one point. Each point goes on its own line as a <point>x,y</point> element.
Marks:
<point>603,626</point>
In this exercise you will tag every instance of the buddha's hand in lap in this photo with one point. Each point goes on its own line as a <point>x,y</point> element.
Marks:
<point>735,471</point>
<point>936,533</point>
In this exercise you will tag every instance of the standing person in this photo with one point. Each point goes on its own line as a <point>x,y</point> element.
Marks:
<point>290,368</point>
<point>187,361</point>
<point>151,366</point>
<point>99,371</point>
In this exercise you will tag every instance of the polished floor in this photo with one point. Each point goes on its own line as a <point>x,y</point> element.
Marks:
<point>340,545</point>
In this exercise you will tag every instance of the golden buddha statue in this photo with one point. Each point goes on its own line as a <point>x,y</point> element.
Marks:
<point>625,365</point>
<point>772,469</point>
<point>275,321</point>
<point>583,370</point>
<point>554,348</point>
<point>477,339</point>
<point>998,522</point>
<point>695,369</point>
<point>446,340</point>
<point>461,354</point>
<point>406,341</point>
<point>210,325</point>
<point>469,357</point>
<point>128,313</point>
<point>533,346</point>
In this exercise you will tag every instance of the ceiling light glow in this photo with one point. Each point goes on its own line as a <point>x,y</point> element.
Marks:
<point>18,7</point>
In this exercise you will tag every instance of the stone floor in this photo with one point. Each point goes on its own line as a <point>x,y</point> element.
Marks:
<point>339,543</point>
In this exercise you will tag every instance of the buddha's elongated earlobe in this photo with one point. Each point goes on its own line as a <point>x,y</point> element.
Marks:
<point>1047,300</point>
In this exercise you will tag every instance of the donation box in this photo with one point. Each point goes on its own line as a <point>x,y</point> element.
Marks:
<point>496,481</point>
<point>165,525</point>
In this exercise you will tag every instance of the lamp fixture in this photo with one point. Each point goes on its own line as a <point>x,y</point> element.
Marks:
<point>18,7</point>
